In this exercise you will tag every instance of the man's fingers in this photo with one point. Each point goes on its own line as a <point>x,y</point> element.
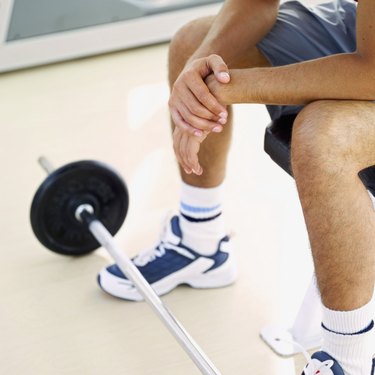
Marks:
<point>202,94</point>
<point>196,123</point>
<point>197,109</point>
<point>177,140</point>
<point>192,150</point>
<point>219,68</point>
<point>186,149</point>
<point>182,145</point>
<point>191,90</point>
<point>179,122</point>
<point>182,153</point>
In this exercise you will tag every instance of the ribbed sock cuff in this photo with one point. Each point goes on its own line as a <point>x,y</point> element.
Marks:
<point>201,221</point>
<point>348,322</point>
<point>353,352</point>
<point>201,203</point>
<point>348,336</point>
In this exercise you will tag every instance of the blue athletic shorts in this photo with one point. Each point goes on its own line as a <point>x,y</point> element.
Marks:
<point>304,32</point>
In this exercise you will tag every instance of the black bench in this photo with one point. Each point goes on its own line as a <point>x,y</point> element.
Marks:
<point>277,141</point>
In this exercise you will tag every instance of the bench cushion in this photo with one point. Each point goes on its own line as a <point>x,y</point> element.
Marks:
<point>277,141</point>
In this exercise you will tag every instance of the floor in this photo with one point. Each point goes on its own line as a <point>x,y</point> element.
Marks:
<point>53,317</point>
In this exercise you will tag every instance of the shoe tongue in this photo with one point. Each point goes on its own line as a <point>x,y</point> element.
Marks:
<point>323,356</point>
<point>173,233</point>
<point>175,225</point>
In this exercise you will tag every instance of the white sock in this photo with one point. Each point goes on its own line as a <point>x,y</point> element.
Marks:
<point>348,337</point>
<point>201,220</point>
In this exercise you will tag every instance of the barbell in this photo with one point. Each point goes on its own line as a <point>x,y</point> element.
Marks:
<point>80,207</point>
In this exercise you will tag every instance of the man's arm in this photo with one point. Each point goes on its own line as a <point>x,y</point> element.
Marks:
<point>342,76</point>
<point>239,24</point>
<point>194,110</point>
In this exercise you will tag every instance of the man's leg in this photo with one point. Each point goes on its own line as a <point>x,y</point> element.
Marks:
<point>201,196</point>
<point>194,249</point>
<point>214,150</point>
<point>332,141</point>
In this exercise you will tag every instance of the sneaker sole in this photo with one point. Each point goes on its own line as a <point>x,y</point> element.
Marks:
<point>218,278</point>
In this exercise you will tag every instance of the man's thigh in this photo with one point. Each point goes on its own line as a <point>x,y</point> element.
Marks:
<point>304,32</point>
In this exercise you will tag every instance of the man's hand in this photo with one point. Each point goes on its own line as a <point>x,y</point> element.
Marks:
<point>193,108</point>
<point>186,148</point>
<point>195,111</point>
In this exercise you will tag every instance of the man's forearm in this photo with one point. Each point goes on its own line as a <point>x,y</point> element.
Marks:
<point>343,76</point>
<point>230,33</point>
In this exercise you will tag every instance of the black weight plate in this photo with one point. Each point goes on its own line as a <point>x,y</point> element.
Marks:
<point>55,202</point>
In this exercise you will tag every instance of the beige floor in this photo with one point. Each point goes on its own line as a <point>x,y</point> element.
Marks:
<point>53,317</point>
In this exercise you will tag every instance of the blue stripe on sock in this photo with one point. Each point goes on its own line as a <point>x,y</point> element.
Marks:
<point>198,210</point>
<point>368,328</point>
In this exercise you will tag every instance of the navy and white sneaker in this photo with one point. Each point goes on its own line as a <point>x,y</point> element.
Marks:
<point>322,363</point>
<point>170,264</point>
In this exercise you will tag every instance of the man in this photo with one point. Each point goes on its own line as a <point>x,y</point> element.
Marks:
<point>285,56</point>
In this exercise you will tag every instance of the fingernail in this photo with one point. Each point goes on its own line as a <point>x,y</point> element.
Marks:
<point>198,133</point>
<point>187,171</point>
<point>223,115</point>
<point>222,120</point>
<point>217,129</point>
<point>224,75</point>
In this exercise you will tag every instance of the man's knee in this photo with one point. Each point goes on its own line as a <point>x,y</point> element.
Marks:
<point>187,39</point>
<point>331,136</point>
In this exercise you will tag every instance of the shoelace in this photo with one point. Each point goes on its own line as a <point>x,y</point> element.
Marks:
<point>313,367</point>
<point>160,248</point>
<point>158,251</point>
<point>150,255</point>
